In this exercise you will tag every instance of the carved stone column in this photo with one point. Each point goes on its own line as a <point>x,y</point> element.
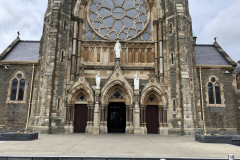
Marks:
<point>80,23</point>
<point>160,45</point>
<point>136,120</point>
<point>102,118</point>
<point>72,111</point>
<point>105,119</point>
<point>127,119</point>
<point>96,112</point>
<point>131,128</point>
<point>155,25</point>
<point>165,124</point>
<point>142,120</point>
<point>161,124</point>
<point>90,121</point>
<point>74,50</point>
<point>67,120</point>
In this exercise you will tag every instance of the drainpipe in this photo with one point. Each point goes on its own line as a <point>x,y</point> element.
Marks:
<point>203,115</point>
<point>30,99</point>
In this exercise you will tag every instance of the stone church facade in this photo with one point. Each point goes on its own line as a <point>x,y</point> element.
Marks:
<point>184,88</point>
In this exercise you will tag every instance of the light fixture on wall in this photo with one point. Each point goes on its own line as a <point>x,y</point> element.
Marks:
<point>227,72</point>
<point>6,67</point>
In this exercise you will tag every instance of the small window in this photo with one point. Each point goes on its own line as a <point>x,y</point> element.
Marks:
<point>174,105</point>
<point>64,25</point>
<point>61,56</point>
<point>214,91</point>
<point>17,88</point>
<point>58,103</point>
<point>170,28</point>
<point>172,58</point>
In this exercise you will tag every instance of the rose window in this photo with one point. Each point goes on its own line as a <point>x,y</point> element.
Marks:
<point>118,19</point>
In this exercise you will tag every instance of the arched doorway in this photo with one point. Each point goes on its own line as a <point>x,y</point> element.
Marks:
<point>116,111</point>
<point>79,111</point>
<point>116,122</point>
<point>153,113</point>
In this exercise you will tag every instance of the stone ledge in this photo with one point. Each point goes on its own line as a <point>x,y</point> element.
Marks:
<point>18,137</point>
<point>227,139</point>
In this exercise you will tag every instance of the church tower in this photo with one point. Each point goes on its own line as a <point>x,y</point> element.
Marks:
<point>149,88</point>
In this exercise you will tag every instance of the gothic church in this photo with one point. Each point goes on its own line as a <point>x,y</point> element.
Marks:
<point>118,66</point>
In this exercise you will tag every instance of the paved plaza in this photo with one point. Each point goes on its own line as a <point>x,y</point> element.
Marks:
<point>116,145</point>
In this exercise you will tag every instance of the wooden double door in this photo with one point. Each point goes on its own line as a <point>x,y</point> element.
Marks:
<point>80,118</point>
<point>116,118</point>
<point>152,119</point>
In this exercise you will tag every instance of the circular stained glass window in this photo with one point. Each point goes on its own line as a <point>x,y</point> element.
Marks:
<point>213,79</point>
<point>19,76</point>
<point>118,19</point>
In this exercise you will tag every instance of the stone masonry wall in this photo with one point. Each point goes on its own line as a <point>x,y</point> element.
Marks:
<point>13,115</point>
<point>221,119</point>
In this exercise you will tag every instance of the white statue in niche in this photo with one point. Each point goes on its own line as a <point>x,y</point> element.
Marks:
<point>117,50</point>
<point>98,80</point>
<point>136,81</point>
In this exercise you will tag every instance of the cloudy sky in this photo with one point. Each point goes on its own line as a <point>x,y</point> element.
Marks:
<point>211,18</point>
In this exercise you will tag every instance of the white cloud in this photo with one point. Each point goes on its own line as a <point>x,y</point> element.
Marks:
<point>218,18</point>
<point>211,18</point>
<point>21,15</point>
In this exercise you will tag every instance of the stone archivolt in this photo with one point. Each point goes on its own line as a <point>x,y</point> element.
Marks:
<point>117,81</point>
<point>79,88</point>
<point>153,87</point>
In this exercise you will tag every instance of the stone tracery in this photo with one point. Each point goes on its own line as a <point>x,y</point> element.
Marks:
<point>112,19</point>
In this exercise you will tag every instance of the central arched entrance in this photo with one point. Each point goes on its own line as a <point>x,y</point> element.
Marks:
<point>116,117</point>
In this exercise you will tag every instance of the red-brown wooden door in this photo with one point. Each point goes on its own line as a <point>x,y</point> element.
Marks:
<point>80,118</point>
<point>152,119</point>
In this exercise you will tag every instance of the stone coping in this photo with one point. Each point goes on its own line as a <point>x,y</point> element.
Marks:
<point>18,136</point>
<point>217,139</point>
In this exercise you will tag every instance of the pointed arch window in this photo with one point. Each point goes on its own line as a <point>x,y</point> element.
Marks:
<point>170,28</point>
<point>64,25</point>
<point>214,92</point>
<point>17,89</point>
<point>61,56</point>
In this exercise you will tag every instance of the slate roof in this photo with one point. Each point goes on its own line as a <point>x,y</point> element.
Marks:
<point>209,55</point>
<point>23,51</point>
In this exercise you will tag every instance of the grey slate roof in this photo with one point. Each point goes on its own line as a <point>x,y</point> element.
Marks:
<point>23,51</point>
<point>209,55</point>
